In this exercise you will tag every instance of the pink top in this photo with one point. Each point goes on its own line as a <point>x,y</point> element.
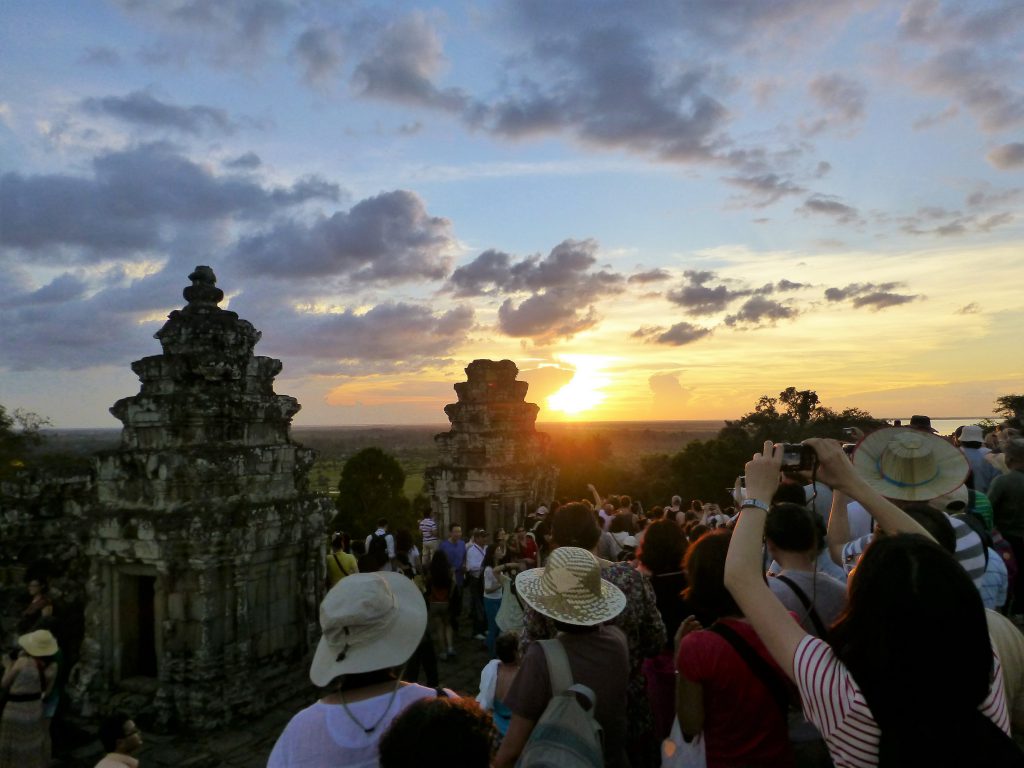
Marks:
<point>834,703</point>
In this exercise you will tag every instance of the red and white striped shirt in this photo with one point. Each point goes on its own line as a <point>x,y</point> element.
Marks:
<point>834,703</point>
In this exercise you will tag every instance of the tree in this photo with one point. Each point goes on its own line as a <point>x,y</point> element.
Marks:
<point>1010,406</point>
<point>19,435</point>
<point>370,488</point>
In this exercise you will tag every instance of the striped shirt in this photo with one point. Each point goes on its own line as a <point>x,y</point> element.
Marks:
<point>428,527</point>
<point>833,702</point>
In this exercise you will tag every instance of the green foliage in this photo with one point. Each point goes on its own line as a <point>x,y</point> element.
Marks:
<point>19,436</point>
<point>1010,406</point>
<point>370,488</point>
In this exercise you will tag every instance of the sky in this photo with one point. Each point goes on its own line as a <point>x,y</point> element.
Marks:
<point>658,210</point>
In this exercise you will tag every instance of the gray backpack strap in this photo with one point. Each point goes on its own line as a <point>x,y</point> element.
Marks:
<point>559,671</point>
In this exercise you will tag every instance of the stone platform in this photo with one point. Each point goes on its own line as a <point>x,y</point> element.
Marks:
<point>248,745</point>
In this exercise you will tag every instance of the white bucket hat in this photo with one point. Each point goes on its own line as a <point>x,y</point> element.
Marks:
<point>40,643</point>
<point>570,589</point>
<point>910,464</point>
<point>370,621</point>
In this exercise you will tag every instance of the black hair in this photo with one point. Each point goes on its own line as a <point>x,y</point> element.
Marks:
<point>382,522</point>
<point>111,730</point>
<point>466,731</point>
<point>705,571</point>
<point>453,525</point>
<point>403,540</point>
<point>622,523</point>
<point>507,647</point>
<point>790,527</point>
<point>663,547</point>
<point>790,493</point>
<point>368,563</point>
<point>439,570</point>
<point>340,541</point>
<point>574,526</point>
<point>909,604</point>
<point>489,560</point>
<point>936,523</point>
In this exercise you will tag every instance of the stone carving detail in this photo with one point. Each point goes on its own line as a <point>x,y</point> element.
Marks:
<point>493,462</point>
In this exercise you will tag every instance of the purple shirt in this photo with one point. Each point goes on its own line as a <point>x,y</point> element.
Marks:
<point>456,554</point>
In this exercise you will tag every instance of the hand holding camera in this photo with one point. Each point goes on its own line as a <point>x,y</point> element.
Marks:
<point>834,467</point>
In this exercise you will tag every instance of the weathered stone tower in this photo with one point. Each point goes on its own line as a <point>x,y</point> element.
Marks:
<point>493,462</point>
<point>204,544</point>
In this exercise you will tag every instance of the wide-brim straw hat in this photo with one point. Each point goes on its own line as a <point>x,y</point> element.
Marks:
<point>370,621</point>
<point>570,589</point>
<point>39,643</point>
<point>909,464</point>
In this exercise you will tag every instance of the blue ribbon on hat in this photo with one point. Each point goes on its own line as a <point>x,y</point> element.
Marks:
<point>881,472</point>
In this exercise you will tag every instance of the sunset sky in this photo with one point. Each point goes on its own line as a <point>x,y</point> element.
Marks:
<point>672,207</point>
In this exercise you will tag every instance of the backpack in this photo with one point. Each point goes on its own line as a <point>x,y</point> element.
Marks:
<point>567,735</point>
<point>378,548</point>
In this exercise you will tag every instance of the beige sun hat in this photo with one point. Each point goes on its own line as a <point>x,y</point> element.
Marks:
<point>370,621</point>
<point>570,589</point>
<point>39,643</point>
<point>910,464</point>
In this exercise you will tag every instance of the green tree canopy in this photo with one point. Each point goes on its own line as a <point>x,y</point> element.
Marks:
<point>370,488</point>
<point>19,435</point>
<point>1010,406</point>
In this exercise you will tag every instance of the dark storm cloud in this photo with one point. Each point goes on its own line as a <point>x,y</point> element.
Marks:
<point>318,50</point>
<point>828,205</point>
<point>758,311</point>
<point>546,317</point>
<point>765,188</point>
<point>874,296</point>
<point>143,109</point>
<point>567,265</point>
<point>63,288</point>
<point>402,65</point>
<point>650,276</point>
<point>130,195</point>
<point>246,162</point>
<point>387,238</point>
<point>1008,156</point>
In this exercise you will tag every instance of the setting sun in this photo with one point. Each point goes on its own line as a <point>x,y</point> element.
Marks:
<point>585,390</point>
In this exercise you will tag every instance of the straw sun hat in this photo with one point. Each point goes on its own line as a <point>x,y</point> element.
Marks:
<point>370,621</point>
<point>570,589</point>
<point>40,643</point>
<point>910,464</point>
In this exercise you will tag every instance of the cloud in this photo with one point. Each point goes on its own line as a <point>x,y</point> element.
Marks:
<point>758,310</point>
<point>840,97</point>
<point>829,205</point>
<point>387,238</point>
<point>130,196</point>
<point>871,295</point>
<point>765,188</point>
<point>697,298</point>
<point>969,309</point>
<point>101,56</point>
<point>143,109</point>
<point>680,334</point>
<point>930,121</point>
<point>942,223</point>
<point>408,55</point>
<point>318,50</point>
<point>546,317</point>
<point>248,161</point>
<point>1008,156</point>
<point>650,276</point>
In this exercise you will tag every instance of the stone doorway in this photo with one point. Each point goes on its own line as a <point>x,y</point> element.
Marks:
<point>476,516</point>
<point>136,625</point>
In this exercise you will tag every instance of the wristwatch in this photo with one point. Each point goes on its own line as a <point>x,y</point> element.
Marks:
<point>754,503</point>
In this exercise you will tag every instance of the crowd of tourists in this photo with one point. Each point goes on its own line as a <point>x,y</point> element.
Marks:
<point>857,605</point>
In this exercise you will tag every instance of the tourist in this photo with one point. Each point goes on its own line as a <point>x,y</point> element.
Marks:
<point>39,605</point>
<point>372,623</point>
<point>407,557</point>
<point>340,563</point>
<point>971,440</point>
<point>883,688</point>
<point>570,592</point>
<point>475,552</point>
<point>496,678</point>
<point>440,583</point>
<point>27,679</point>
<point>428,530</point>
<point>729,688</point>
<point>455,552</point>
<point>121,739</point>
<point>494,581</point>
<point>442,732</point>
<point>576,526</point>
<point>661,558</point>
<point>380,545</point>
<point>1007,496</point>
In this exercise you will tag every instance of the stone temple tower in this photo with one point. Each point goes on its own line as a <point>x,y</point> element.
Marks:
<point>205,546</point>
<point>493,462</point>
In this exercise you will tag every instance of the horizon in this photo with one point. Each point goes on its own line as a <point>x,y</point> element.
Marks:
<point>654,211</point>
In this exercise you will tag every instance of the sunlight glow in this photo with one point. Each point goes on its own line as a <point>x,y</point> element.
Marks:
<point>585,390</point>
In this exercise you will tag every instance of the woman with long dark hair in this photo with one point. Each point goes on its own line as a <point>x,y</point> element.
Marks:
<point>907,676</point>
<point>439,587</point>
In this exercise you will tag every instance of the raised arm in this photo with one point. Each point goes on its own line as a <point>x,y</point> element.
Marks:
<point>743,575</point>
<point>598,501</point>
<point>838,527</point>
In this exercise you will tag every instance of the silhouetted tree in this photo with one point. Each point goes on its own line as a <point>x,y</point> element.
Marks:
<point>19,435</point>
<point>371,487</point>
<point>1010,406</point>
